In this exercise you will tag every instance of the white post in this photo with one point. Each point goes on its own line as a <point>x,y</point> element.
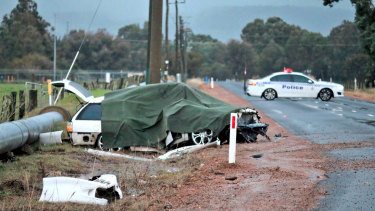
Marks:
<point>212,82</point>
<point>355,83</point>
<point>232,137</point>
<point>107,77</point>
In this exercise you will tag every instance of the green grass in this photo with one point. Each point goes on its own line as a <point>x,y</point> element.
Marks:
<point>27,170</point>
<point>70,102</point>
<point>6,89</point>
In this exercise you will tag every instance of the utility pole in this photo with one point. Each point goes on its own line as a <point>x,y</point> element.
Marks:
<point>177,61</point>
<point>54,52</point>
<point>177,45</point>
<point>154,42</point>
<point>166,30</point>
<point>181,40</point>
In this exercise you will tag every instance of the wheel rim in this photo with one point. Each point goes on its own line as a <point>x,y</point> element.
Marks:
<point>101,145</point>
<point>269,94</point>
<point>202,138</point>
<point>325,94</point>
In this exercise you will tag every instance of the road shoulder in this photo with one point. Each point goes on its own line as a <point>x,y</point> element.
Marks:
<point>284,177</point>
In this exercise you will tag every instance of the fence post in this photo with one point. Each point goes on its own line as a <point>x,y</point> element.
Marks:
<point>5,108</point>
<point>33,100</point>
<point>22,106</point>
<point>12,107</point>
<point>62,93</point>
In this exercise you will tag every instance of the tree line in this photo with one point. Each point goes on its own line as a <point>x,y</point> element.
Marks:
<point>266,46</point>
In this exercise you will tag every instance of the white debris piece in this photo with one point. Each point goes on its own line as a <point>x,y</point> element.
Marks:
<point>110,154</point>
<point>68,189</point>
<point>50,138</point>
<point>185,150</point>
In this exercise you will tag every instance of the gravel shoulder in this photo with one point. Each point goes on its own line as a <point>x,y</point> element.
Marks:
<point>284,177</point>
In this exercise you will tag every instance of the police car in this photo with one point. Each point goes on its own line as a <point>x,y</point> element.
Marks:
<point>293,84</point>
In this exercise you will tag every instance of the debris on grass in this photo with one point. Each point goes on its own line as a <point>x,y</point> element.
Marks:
<point>50,138</point>
<point>110,154</point>
<point>68,189</point>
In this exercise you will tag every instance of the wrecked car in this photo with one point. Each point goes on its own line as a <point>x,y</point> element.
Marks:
<point>157,115</point>
<point>147,115</point>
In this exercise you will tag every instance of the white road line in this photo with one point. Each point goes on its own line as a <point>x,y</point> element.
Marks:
<point>277,111</point>
<point>311,106</point>
<point>370,115</point>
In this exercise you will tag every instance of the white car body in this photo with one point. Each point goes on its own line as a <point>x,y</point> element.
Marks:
<point>85,126</point>
<point>292,84</point>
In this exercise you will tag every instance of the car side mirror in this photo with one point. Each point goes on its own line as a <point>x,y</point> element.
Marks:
<point>310,81</point>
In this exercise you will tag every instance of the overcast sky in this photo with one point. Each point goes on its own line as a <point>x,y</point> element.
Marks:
<point>222,19</point>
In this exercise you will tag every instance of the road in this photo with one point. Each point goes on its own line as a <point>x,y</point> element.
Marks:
<point>341,120</point>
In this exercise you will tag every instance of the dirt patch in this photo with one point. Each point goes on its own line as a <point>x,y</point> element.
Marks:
<point>368,95</point>
<point>285,177</point>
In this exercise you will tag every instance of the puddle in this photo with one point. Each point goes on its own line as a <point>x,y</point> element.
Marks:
<point>257,156</point>
<point>372,122</point>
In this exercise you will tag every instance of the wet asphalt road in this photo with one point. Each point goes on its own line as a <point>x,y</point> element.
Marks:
<point>341,120</point>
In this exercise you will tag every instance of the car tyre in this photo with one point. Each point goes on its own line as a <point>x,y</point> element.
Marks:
<point>269,94</point>
<point>100,145</point>
<point>325,94</point>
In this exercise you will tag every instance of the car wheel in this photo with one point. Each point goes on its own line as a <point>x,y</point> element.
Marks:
<point>325,94</point>
<point>269,94</point>
<point>100,145</point>
<point>202,138</point>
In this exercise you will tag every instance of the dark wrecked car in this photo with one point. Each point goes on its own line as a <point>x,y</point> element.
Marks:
<point>163,115</point>
<point>158,115</point>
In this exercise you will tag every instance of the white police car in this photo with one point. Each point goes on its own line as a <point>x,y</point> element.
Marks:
<point>293,84</point>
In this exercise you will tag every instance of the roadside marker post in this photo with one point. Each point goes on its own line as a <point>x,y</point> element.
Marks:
<point>49,91</point>
<point>212,82</point>
<point>232,137</point>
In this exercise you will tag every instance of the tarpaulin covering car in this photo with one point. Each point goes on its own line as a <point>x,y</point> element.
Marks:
<point>142,116</point>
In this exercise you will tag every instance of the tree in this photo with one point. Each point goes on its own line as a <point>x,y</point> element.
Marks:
<point>202,38</point>
<point>194,63</point>
<point>133,32</point>
<point>241,55</point>
<point>308,51</point>
<point>355,67</point>
<point>100,51</point>
<point>365,21</point>
<point>24,32</point>
<point>345,42</point>
<point>259,33</point>
<point>272,58</point>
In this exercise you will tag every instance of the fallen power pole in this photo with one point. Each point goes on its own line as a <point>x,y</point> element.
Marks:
<point>18,133</point>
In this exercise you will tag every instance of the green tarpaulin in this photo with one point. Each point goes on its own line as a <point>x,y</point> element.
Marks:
<point>141,116</point>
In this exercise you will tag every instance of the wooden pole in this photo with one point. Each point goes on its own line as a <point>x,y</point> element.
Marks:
<point>22,106</point>
<point>33,100</point>
<point>155,40</point>
<point>12,107</point>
